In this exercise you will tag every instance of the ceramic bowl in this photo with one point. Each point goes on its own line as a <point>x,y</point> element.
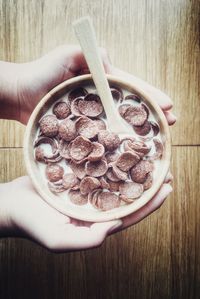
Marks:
<point>65,206</point>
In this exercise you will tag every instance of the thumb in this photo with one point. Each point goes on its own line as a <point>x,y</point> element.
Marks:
<point>106,227</point>
<point>80,65</point>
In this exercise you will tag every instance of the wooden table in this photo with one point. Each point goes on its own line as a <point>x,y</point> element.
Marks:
<point>160,257</point>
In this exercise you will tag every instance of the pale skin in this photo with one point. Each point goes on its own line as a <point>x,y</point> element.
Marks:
<point>23,213</point>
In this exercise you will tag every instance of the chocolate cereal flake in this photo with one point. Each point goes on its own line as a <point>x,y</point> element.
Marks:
<point>77,198</point>
<point>155,128</point>
<point>61,110</point>
<point>101,125</point>
<point>144,129</point>
<point>113,186</point>
<point>117,93</point>
<point>80,148</point>
<point>133,97</point>
<point>109,140</point>
<point>107,201</point>
<point>127,160</point>
<point>74,107</point>
<point>86,127</point>
<point>122,109</point>
<point>49,125</point>
<point>41,155</point>
<point>135,115</point>
<point>70,181</point>
<point>97,152</point>
<point>111,157</point>
<point>76,93</point>
<point>67,130</point>
<point>158,148</point>
<point>89,184</point>
<point>78,169</point>
<point>90,106</point>
<point>122,175</point>
<point>146,109</point>
<point>54,172</point>
<point>111,176</point>
<point>64,149</point>
<point>126,199</point>
<point>96,169</point>
<point>104,183</point>
<point>93,197</point>
<point>139,147</point>
<point>56,187</point>
<point>54,159</point>
<point>131,190</point>
<point>148,181</point>
<point>140,170</point>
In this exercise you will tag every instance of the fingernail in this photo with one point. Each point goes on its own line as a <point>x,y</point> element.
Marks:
<point>169,178</point>
<point>169,188</point>
<point>171,118</point>
<point>174,117</point>
<point>116,226</point>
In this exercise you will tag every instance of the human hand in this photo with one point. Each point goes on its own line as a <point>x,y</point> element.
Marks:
<point>22,85</point>
<point>23,213</point>
<point>36,78</point>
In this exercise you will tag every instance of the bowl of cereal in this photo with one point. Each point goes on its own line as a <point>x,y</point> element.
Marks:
<point>84,170</point>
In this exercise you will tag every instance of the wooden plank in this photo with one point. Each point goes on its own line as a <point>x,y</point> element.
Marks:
<point>156,40</point>
<point>12,164</point>
<point>158,258</point>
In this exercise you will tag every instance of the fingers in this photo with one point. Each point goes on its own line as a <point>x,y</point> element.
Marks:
<point>82,65</point>
<point>171,118</point>
<point>74,60</point>
<point>77,237</point>
<point>150,207</point>
<point>169,178</point>
<point>161,98</point>
<point>105,60</point>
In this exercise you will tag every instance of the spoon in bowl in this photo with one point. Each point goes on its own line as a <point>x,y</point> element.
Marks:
<point>86,36</point>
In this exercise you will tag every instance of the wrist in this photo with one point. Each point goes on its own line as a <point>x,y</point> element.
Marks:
<point>9,104</point>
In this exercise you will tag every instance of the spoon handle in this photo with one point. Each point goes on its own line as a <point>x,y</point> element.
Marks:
<point>86,35</point>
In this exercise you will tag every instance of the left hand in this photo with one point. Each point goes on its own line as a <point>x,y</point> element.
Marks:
<point>38,77</point>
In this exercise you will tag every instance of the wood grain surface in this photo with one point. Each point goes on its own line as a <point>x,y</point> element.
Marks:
<point>160,257</point>
<point>157,258</point>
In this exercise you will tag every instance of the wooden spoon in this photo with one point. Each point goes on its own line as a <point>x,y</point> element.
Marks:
<point>86,36</point>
